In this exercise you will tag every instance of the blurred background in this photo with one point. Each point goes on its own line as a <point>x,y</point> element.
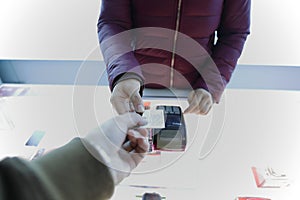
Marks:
<point>47,41</point>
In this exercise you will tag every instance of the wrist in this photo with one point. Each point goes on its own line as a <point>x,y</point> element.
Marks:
<point>128,76</point>
<point>106,152</point>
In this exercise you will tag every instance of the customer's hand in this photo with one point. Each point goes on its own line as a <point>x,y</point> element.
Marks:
<point>108,142</point>
<point>200,102</point>
<point>126,98</point>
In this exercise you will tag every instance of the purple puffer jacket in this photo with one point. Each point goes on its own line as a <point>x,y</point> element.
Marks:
<point>175,43</point>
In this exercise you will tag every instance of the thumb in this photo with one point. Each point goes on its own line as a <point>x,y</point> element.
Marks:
<point>115,129</point>
<point>191,96</point>
<point>190,100</point>
<point>137,102</point>
<point>131,120</point>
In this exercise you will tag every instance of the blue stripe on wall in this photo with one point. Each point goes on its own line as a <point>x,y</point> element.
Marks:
<point>266,77</point>
<point>47,71</point>
<point>64,72</point>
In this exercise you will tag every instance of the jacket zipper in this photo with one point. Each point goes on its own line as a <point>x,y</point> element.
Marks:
<point>174,42</point>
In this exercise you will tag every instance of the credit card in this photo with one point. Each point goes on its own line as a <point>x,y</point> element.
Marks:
<point>155,119</point>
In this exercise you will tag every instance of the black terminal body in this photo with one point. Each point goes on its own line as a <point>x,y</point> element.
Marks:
<point>173,136</point>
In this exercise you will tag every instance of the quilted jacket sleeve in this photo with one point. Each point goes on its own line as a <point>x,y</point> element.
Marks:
<point>232,33</point>
<point>115,18</point>
<point>69,172</point>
